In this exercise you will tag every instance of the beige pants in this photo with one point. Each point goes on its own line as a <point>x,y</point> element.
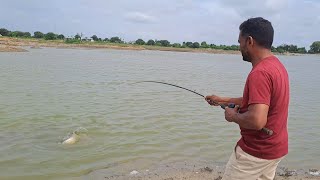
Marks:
<point>243,166</point>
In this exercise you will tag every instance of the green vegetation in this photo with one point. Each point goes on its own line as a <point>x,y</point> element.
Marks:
<point>315,47</point>
<point>140,42</point>
<point>289,48</point>
<point>38,35</point>
<point>19,34</point>
<point>50,36</point>
<point>204,45</point>
<point>95,38</point>
<point>116,40</point>
<point>77,36</point>
<point>73,41</point>
<point>151,42</point>
<point>77,39</point>
<point>4,32</point>
<point>176,45</point>
<point>60,36</point>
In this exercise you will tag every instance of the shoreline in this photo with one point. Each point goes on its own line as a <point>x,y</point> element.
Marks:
<point>9,44</point>
<point>190,171</point>
<point>6,48</point>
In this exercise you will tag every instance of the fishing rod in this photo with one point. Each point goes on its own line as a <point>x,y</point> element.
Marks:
<point>221,105</point>
<point>231,105</point>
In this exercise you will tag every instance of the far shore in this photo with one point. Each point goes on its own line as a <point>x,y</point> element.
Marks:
<point>9,44</point>
<point>7,48</point>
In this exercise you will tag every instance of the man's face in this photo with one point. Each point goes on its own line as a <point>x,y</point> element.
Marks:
<point>243,41</point>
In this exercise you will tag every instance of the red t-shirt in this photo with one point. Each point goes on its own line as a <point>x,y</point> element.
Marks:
<point>267,83</point>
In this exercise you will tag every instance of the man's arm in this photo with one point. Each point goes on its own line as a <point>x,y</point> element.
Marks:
<point>213,100</point>
<point>255,118</point>
<point>228,100</point>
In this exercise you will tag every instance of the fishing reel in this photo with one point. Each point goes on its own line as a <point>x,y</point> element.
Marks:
<point>231,105</point>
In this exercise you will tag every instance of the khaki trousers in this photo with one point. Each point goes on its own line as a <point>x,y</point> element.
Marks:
<point>243,166</point>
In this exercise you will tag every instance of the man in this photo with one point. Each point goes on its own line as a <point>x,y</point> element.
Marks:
<point>264,104</point>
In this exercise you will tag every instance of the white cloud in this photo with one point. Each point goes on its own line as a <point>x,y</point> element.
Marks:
<point>251,8</point>
<point>276,5</point>
<point>140,17</point>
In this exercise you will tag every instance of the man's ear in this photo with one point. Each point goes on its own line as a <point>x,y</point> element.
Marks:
<point>250,40</point>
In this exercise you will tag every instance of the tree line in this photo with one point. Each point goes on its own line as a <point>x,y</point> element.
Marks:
<point>314,47</point>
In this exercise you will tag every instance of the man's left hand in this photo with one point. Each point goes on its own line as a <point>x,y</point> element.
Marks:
<point>230,113</point>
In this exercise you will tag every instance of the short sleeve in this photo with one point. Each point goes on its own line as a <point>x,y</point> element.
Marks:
<point>259,86</point>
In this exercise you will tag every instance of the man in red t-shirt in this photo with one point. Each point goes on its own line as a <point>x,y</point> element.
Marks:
<point>262,112</point>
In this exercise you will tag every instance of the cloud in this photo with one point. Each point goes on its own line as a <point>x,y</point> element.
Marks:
<point>214,21</point>
<point>252,8</point>
<point>139,17</point>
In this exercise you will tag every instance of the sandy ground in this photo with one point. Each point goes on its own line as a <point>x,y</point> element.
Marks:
<point>5,48</point>
<point>187,171</point>
<point>35,43</point>
<point>13,45</point>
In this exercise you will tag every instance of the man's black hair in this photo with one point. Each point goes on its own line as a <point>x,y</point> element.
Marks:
<point>259,29</point>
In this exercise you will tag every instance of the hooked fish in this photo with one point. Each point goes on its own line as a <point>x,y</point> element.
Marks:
<point>74,138</point>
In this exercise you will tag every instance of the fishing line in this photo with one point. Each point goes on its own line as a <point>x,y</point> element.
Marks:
<point>266,130</point>
<point>221,105</point>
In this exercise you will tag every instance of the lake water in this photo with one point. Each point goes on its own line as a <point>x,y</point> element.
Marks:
<point>45,94</point>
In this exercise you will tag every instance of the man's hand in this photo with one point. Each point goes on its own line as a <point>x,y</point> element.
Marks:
<point>231,113</point>
<point>213,100</point>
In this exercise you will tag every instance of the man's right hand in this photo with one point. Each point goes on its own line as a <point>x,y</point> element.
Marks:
<point>213,100</point>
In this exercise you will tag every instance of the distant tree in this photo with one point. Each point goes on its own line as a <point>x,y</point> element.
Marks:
<point>95,38</point>
<point>226,48</point>
<point>176,45</point>
<point>105,39</point>
<point>204,44</point>
<point>77,36</point>
<point>289,48</point>
<point>315,47</point>
<point>151,42</point>
<point>38,34</point>
<point>157,43</point>
<point>195,45</point>
<point>189,44</point>
<point>60,36</point>
<point>140,42</point>
<point>213,46</point>
<point>115,40</point>
<point>280,49</point>
<point>72,41</point>
<point>302,50</point>
<point>164,43</point>
<point>4,32</point>
<point>235,47</point>
<point>26,35</point>
<point>50,36</point>
<point>12,34</point>
<point>293,48</point>
<point>16,34</point>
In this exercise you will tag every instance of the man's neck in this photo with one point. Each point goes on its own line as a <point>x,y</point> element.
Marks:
<point>260,55</point>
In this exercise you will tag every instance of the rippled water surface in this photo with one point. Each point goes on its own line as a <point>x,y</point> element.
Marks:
<point>45,94</point>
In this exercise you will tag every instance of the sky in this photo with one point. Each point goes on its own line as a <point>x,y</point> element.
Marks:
<point>214,21</point>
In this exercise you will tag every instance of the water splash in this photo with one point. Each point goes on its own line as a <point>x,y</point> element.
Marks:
<point>75,136</point>
<point>80,130</point>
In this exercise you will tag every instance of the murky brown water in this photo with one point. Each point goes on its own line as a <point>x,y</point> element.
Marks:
<point>47,93</point>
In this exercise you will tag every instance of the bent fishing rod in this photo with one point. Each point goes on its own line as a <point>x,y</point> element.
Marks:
<point>231,105</point>
<point>221,105</point>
